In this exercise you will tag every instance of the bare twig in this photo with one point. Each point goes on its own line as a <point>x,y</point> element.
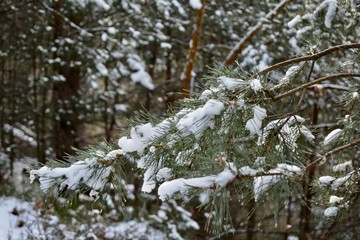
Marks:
<point>329,153</point>
<point>312,57</point>
<point>305,85</point>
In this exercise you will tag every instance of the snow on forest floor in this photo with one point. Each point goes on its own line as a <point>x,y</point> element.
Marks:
<point>18,219</point>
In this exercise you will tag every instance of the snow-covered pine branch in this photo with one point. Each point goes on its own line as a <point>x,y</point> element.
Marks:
<point>226,137</point>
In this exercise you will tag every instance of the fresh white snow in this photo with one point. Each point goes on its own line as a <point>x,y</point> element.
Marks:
<point>332,136</point>
<point>255,123</point>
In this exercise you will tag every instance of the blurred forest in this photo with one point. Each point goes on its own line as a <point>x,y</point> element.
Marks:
<point>75,74</point>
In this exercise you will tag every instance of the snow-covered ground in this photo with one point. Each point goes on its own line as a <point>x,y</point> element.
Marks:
<point>17,219</point>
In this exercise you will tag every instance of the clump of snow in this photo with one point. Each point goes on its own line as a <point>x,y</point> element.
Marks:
<point>335,199</point>
<point>197,121</point>
<point>255,85</point>
<point>291,73</point>
<point>141,136</point>
<point>247,171</point>
<point>164,174</point>
<point>340,181</point>
<point>140,75</point>
<point>149,182</point>
<point>264,183</point>
<point>342,166</point>
<point>332,136</point>
<point>326,180</point>
<point>294,21</point>
<point>331,11</point>
<point>231,83</point>
<point>143,78</point>
<point>167,189</point>
<point>331,211</point>
<point>113,154</point>
<point>195,4</point>
<point>254,124</point>
<point>81,172</point>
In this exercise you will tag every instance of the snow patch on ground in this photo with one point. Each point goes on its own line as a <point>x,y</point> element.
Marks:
<point>18,218</point>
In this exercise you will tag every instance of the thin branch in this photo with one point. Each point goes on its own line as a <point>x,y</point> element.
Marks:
<point>193,48</point>
<point>240,46</point>
<point>312,57</point>
<point>305,85</point>
<point>329,153</point>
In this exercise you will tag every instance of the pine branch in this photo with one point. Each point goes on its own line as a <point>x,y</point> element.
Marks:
<point>312,57</point>
<point>305,85</point>
<point>329,153</point>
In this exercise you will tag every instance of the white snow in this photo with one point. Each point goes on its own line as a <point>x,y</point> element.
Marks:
<point>255,85</point>
<point>113,154</point>
<point>340,181</point>
<point>102,69</point>
<point>331,211</point>
<point>195,4</point>
<point>254,124</point>
<point>143,78</point>
<point>247,171</point>
<point>143,135</point>
<point>335,199</point>
<point>342,166</point>
<point>231,83</point>
<point>167,189</point>
<point>330,13</point>
<point>164,174</point>
<point>149,182</point>
<point>294,21</point>
<point>81,172</point>
<point>140,76</point>
<point>264,183</point>
<point>9,228</point>
<point>326,180</point>
<point>332,136</point>
<point>291,73</point>
<point>196,121</point>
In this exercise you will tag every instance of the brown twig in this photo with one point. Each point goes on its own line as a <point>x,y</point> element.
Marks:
<point>312,57</point>
<point>329,153</point>
<point>305,85</point>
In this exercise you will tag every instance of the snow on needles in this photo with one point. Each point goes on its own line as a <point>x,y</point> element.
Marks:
<point>192,122</point>
<point>330,13</point>
<point>201,118</point>
<point>181,185</point>
<point>254,124</point>
<point>81,172</point>
<point>264,183</point>
<point>332,136</point>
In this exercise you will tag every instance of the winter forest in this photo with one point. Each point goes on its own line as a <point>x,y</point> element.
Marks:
<point>179,119</point>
